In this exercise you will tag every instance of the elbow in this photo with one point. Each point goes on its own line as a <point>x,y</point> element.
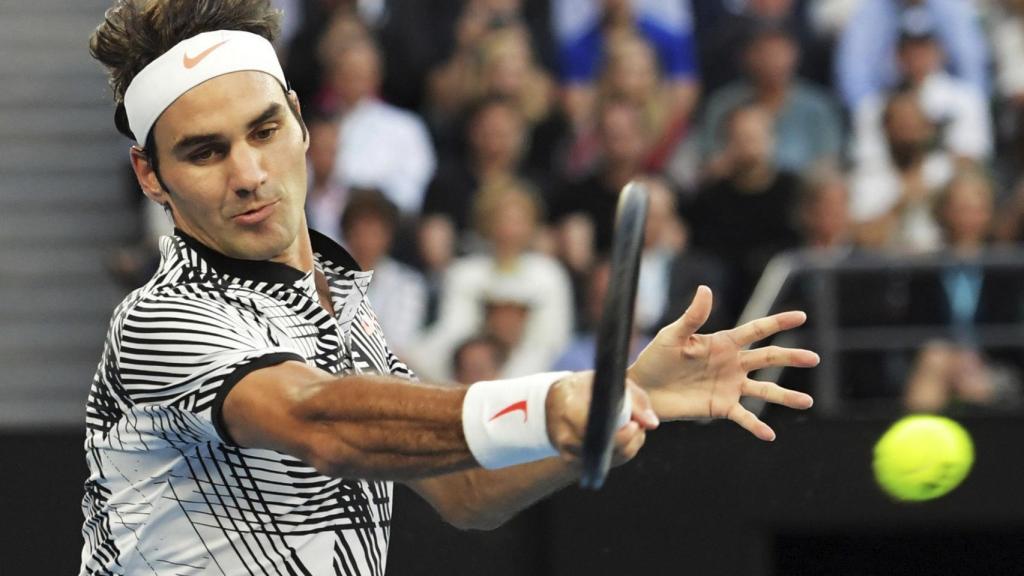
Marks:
<point>467,519</point>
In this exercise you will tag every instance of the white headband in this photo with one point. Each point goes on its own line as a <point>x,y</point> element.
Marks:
<point>187,65</point>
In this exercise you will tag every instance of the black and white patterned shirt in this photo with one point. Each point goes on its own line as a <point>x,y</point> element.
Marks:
<point>168,491</point>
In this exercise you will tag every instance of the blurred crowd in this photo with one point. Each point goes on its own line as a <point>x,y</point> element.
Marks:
<point>471,153</point>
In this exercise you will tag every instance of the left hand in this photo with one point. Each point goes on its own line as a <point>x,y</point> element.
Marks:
<point>689,375</point>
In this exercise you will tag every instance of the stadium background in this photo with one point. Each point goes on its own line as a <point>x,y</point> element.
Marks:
<point>701,498</point>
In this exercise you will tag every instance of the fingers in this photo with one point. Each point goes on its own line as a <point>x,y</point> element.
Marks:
<point>764,327</point>
<point>642,409</point>
<point>766,356</point>
<point>751,423</point>
<point>696,314</point>
<point>772,392</point>
<point>628,441</point>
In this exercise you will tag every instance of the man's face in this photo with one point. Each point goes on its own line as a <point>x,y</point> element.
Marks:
<point>356,74</point>
<point>232,155</point>
<point>621,134</point>
<point>497,134</point>
<point>771,60</point>
<point>751,139</point>
<point>920,58</point>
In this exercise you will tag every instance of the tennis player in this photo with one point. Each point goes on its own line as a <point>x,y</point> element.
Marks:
<point>247,416</point>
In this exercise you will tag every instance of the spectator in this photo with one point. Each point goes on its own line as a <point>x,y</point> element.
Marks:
<point>959,109</point>
<point>501,63</point>
<point>631,73</point>
<point>745,216</point>
<point>723,29</point>
<point>865,57</point>
<point>325,199</point>
<point>1006,30</point>
<point>496,139</point>
<point>808,128</point>
<point>423,37</point>
<point>381,146</point>
<point>581,352</point>
<point>507,217</point>
<point>397,291</point>
<point>957,369</point>
<point>623,136</point>
<point>824,212</point>
<point>892,195</point>
<point>583,29</point>
<point>478,359</point>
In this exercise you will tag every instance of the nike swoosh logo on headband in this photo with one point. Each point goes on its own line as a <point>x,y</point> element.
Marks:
<point>521,405</point>
<point>193,62</point>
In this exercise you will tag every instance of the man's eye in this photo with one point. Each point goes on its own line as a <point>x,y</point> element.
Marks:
<point>265,133</point>
<point>201,155</point>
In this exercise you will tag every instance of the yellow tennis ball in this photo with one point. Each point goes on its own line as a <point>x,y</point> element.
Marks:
<point>923,457</point>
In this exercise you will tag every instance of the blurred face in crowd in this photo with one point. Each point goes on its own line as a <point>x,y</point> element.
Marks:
<point>919,58</point>
<point>496,135</point>
<point>506,321</point>
<point>661,213</point>
<point>622,135</point>
<point>966,213</point>
<point>771,59</point>
<point>771,9</point>
<point>618,9</point>
<point>233,157</point>
<point>513,222</point>
<point>368,239</point>
<point>751,138</point>
<point>908,130</point>
<point>632,71</point>
<point>825,213</point>
<point>323,149</point>
<point>477,361</point>
<point>507,62</point>
<point>355,74</point>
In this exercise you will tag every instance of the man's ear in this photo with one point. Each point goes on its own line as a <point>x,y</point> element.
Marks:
<point>146,175</point>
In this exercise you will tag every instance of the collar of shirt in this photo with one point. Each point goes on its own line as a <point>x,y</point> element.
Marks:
<point>348,283</point>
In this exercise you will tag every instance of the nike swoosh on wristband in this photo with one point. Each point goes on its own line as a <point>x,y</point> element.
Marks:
<point>521,405</point>
<point>193,62</point>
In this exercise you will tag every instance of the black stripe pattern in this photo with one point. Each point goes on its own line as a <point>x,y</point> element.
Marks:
<point>168,492</point>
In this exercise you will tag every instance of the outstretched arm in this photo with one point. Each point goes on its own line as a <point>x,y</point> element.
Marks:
<point>381,427</point>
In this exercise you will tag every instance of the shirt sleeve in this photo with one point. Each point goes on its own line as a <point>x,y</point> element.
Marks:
<point>182,353</point>
<point>675,49</point>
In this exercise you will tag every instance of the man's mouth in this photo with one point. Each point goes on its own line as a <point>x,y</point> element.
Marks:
<point>256,215</point>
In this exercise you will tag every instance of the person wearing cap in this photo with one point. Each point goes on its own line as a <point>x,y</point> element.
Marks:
<point>807,125</point>
<point>865,55</point>
<point>508,271</point>
<point>247,415</point>
<point>957,106</point>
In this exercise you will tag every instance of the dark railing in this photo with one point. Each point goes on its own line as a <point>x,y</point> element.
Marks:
<point>818,276</point>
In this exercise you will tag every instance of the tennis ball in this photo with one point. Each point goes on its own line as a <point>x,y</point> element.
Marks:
<point>922,457</point>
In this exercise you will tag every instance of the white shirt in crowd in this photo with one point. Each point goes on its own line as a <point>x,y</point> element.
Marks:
<point>538,280</point>
<point>382,146</point>
<point>959,108</point>
<point>876,187</point>
<point>399,296</point>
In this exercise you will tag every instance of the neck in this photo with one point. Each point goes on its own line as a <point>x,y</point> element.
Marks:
<point>772,95</point>
<point>618,174</point>
<point>756,179</point>
<point>300,254</point>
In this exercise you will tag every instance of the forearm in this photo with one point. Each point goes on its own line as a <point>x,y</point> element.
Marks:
<point>485,499</point>
<point>383,427</point>
<point>355,426</point>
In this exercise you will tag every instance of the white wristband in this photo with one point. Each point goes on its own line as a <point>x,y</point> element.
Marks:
<point>505,421</point>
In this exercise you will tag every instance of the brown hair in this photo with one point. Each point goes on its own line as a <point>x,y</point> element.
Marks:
<point>368,203</point>
<point>490,198</point>
<point>136,32</point>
